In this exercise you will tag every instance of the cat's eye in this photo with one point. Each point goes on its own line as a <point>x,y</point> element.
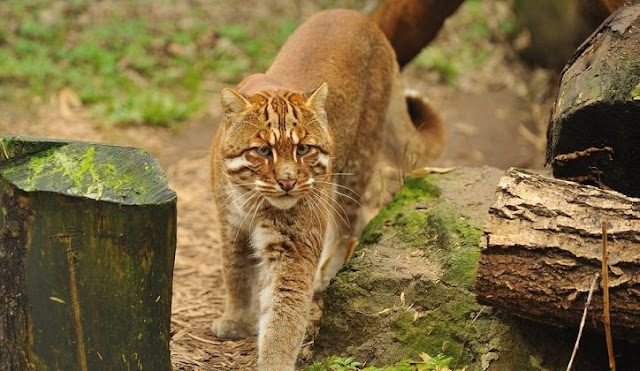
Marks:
<point>302,149</point>
<point>263,151</point>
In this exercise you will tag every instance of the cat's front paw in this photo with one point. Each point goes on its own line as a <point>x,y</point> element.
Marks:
<point>225,328</point>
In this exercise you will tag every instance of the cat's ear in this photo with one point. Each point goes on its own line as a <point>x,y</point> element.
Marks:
<point>233,102</point>
<point>317,97</point>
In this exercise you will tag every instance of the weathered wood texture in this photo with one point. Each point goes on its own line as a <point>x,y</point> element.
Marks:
<point>411,24</point>
<point>87,245</point>
<point>542,247</point>
<point>594,131</point>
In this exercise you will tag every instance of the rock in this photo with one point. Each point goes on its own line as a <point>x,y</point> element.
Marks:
<point>409,288</point>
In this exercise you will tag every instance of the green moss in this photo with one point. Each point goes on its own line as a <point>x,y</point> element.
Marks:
<point>126,175</point>
<point>415,190</point>
<point>635,94</point>
<point>71,165</point>
<point>5,143</point>
<point>442,233</point>
<point>438,321</point>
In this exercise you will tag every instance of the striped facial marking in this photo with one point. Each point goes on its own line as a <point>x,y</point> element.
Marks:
<point>280,147</point>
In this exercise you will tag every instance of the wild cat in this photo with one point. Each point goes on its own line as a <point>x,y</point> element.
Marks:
<point>293,154</point>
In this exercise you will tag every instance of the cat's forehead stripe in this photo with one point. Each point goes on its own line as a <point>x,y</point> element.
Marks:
<point>280,116</point>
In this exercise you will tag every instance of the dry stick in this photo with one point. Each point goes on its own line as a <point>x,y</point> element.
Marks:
<point>605,298</point>
<point>584,318</point>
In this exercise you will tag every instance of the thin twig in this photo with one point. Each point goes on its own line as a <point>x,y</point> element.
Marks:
<point>584,318</point>
<point>203,340</point>
<point>605,298</point>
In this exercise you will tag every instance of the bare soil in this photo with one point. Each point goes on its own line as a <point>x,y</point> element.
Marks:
<point>494,116</point>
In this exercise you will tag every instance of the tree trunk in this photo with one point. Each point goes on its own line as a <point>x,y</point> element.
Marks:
<point>411,24</point>
<point>542,248</point>
<point>556,28</point>
<point>87,244</point>
<point>594,133</point>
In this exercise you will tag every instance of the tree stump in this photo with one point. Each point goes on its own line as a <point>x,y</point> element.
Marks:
<point>594,131</point>
<point>542,248</point>
<point>411,24</point>
<point>87,246</point>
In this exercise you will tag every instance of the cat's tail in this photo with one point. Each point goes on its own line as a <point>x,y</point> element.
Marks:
<point>428,124</point>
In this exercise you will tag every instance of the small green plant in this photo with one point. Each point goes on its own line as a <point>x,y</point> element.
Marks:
<point>434,58</point>
<point>427,363</point>
<point>467,48</point>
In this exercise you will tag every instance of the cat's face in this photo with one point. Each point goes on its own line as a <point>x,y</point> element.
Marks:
<point>276,145</point>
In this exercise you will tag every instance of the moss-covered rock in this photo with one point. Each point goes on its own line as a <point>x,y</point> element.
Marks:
<point>409,287</point>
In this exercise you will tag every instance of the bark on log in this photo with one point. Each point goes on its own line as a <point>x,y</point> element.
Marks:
<point>542,248</point>
<point>411,24</point>
<point>87,244</point>
<point>594,131</point>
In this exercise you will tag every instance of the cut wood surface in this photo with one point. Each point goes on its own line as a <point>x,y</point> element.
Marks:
<point>542,247</point>
<point>594,132</point>
<point>87,244</point>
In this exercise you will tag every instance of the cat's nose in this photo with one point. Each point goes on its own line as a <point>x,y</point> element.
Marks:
<point>287,184</point>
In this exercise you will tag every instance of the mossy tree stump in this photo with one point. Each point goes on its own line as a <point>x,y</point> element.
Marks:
<point>87,246</point>
<point>594,131</point>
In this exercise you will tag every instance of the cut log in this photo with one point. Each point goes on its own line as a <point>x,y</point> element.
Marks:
<point>542,247</point>
<point>411,24</point>
<point>594,131</point>
<point>87,245</point>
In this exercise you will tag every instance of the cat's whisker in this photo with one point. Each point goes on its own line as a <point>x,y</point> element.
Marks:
<point>237,198</point>
<point>314,209</point>
<point>231,188</point>
<point>347,196</point>
<point>327,213</point>
<point>242,184</point>
<point>337,174</point>
<point>245,217</point>
<point>249,199</point>
<point>344,212</point>
<point>341,194</point>
<point>256,212</point>
<point>346,222</point>
<point>230,194</point>
<point>339,185</point>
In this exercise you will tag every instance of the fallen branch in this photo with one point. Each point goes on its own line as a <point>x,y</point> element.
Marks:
<point>584,318</point>
<point>605,298</point>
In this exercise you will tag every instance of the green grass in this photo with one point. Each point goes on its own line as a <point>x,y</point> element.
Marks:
<point>467,48</point>
<point>125,63</point>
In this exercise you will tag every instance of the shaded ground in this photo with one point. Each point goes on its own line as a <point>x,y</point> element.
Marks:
<point>493,116</point>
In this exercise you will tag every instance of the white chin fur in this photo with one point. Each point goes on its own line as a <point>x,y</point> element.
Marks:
<point>283,203</point>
